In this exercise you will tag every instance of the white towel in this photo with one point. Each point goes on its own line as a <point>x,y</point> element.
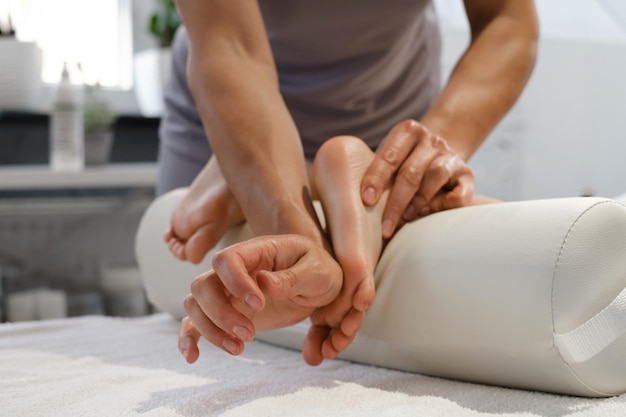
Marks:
<point>103,366</point>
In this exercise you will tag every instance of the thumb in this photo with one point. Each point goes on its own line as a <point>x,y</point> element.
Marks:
<point>296,285</point>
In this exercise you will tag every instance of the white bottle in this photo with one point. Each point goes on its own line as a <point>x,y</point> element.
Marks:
<point>67,137</point>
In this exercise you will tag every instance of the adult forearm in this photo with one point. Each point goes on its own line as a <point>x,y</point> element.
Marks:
<point>485,84</point>
<point>254,139</point>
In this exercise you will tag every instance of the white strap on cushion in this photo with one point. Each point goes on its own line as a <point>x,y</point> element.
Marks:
<point>590,338</point>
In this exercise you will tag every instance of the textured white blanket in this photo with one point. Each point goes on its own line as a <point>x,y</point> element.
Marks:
<point>98,366</point>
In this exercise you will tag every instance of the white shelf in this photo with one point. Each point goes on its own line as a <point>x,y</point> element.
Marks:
<point>39,177</point>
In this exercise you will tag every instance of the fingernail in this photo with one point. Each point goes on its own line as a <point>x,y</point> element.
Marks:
<point>184,349</point>
<point>409,211</point>
<point>231,346</point>
<point>425,211</point>
<point>387,228</point>
<point>253,301</point>
<point>242,333</point>
<point>369,195</point>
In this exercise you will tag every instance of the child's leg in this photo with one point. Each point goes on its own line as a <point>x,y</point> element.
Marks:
<point>355,232</point>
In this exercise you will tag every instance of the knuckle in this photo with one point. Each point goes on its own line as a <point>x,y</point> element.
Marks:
<point>438,168</point>
<point>391,155</point>
<point>291,278</point>
<point>414,127</point>
<point>458,165</point>
<point>412,176</point>
<point>438,142</point>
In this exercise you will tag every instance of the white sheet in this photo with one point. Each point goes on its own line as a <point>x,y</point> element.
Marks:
<point>103,366</point>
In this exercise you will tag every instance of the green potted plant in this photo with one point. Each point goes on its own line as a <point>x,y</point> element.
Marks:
<point>98,123</point>
<point>164,22</point>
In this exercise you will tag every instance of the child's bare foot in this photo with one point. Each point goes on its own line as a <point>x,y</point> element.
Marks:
<point>264,283</point>
<point>203,216</point>
<point>355,232</point>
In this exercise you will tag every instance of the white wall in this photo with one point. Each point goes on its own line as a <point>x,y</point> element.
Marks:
<point>576,107</point>
<point>568,131</point>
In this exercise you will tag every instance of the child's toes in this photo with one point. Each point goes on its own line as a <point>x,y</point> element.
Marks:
<point>313,346</point>
<point>336,343</point>
<point>364,294</point>
<point>353,321</point>
<point>334,313</point>
<point>200,243</point>
<point>177,248</point>
<point>329,350</point>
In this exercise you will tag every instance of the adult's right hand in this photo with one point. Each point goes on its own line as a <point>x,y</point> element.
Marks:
<point>426,175</point>
<point>203,216</point>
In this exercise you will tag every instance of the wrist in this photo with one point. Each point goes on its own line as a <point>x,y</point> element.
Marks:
<point>283,215</point>
<point>465,143</point>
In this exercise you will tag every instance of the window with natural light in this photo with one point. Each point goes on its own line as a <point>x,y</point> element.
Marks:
<point>93,37</point>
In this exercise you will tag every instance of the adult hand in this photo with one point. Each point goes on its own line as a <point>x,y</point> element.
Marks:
<point>202,217</point>
<point>427,174</point>
<point>264,283</point>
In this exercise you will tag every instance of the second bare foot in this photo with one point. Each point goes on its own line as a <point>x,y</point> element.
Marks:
<point>203,216</point>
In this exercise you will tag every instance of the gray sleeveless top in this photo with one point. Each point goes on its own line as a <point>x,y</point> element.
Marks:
<point>354,67</point>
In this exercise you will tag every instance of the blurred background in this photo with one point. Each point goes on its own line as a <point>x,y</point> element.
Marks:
<point>66,237</point>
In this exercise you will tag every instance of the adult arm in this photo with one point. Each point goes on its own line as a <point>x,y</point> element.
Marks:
<point>234,82</point>
<point>428,159</point>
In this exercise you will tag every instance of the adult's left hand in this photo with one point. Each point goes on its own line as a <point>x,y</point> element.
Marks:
<point>425,173</point>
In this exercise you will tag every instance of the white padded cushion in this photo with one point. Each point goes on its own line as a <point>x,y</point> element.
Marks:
<point>490,286</point>
<point>479,293</point>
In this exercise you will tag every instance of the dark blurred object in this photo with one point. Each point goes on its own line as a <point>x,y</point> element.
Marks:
<point>24,139</point>
<point>8,31</point>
